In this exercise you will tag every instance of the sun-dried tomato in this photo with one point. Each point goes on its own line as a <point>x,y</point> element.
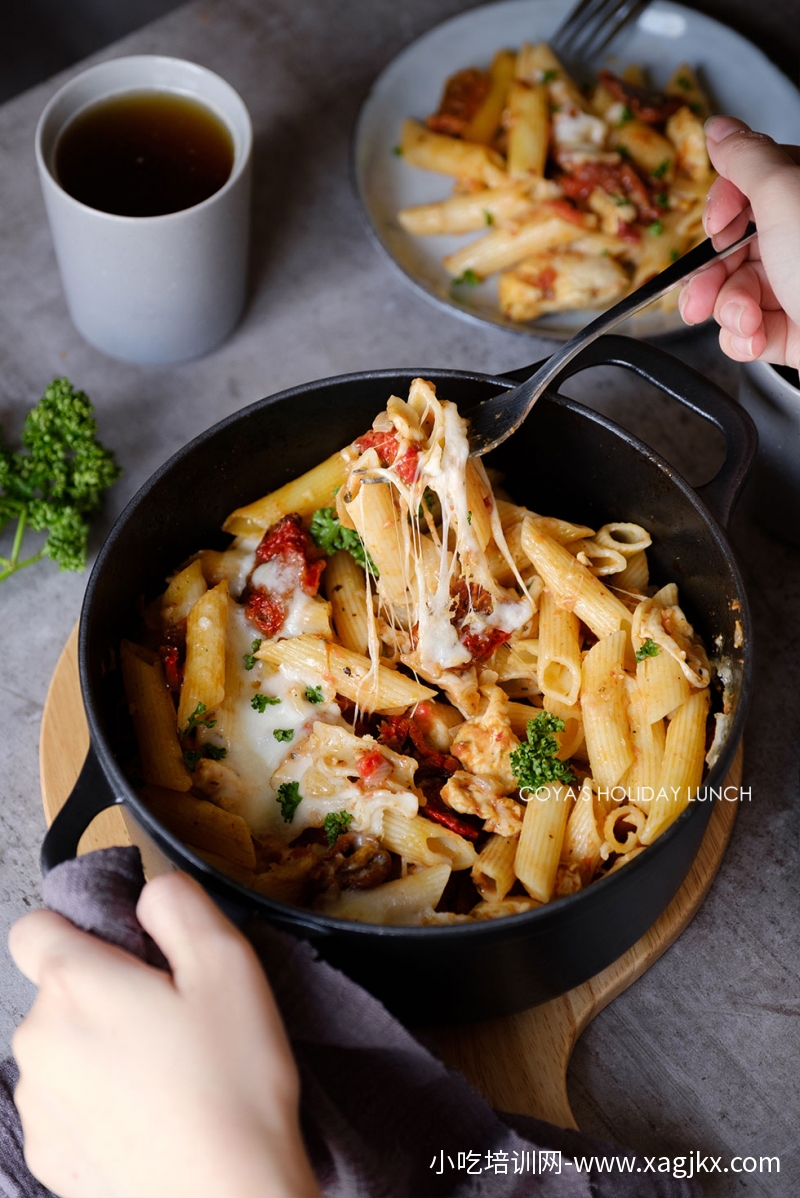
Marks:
<point>463,95</point>
<point>372,766</point>
<point>466,598</point>
<point>437,810</point>
<point>650,107</point>
<point>482,644</point>
<point>617,179</point>
<point>407,466</point>
<point>173,669</point>
<point>266,611</point>
<point>284,538</point>
<point>384,444</point>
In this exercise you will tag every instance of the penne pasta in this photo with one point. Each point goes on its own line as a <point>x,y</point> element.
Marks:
<point>603,179</point>
<point>572,584</point>
<point>450,156</point>
<point>493,871</point>
<point>682,767</point>
<point>406,900</point>
<point>351,674</point>
<point>202,824</point>
<point>344,586</point>
<point>559,661</point>
<point>204,675</point>
<point>153,716</point>
<point>312,490</point>
<point>604,708</point>
<point>540,841</point>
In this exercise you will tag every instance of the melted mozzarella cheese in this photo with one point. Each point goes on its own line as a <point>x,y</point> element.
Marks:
<point>253,751</point>
<point>326,769</point>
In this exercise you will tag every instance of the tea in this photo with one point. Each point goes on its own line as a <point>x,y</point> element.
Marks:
<point>144,153</point>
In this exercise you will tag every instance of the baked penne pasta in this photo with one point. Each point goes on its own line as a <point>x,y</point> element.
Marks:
<point>470,725</point>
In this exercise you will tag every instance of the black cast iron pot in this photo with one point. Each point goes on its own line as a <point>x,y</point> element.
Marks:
<point>565,460</point>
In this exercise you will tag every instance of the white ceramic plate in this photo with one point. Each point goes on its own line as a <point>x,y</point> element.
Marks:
<point>740,80</point>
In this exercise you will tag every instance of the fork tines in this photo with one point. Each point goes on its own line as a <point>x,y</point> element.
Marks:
<point>591,25</point>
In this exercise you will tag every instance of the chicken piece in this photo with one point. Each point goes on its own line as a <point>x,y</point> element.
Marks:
<point>686,133</point>
<point>484,743</point>
<point>559,282</point>
<point>483,797</point>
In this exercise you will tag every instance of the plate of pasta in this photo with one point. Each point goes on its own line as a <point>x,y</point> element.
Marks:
<point>400,697</point>
<point>516,191</point>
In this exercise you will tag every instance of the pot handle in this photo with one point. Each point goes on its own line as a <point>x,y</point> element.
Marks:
<point>691,389</point>
<point>90,795</point>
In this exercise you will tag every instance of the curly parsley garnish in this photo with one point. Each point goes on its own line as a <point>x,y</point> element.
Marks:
<point>282,734</point>
<point>536,763</point>
<point>195,720</point>
<point>335,823</point>
<point>549,76</point>
<point>193,757</point>
<point>249,658</point>
<point>260,702</point>
<point>648,649</point>
<point>328,534</point>
<point>661,170</point>
<point>56,481</point>
<point>625,116</point>
<point>289,798</point>
<point>469,277</point>
<point>489,216</point>
<point>657,228</point>
<point>314,694</point>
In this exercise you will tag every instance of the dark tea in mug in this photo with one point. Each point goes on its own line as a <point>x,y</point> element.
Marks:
<point>144,153</point>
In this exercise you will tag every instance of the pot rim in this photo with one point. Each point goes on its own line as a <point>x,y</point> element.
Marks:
<point>312,922</point>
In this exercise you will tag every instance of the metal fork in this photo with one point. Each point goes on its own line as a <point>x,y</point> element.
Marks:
<point>591,25</point>
<point>492,421</point>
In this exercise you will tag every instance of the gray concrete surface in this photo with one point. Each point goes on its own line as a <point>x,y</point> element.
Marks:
<point>702,1052</point>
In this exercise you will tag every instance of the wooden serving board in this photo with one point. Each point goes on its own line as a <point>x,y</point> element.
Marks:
<point>518,1063</point>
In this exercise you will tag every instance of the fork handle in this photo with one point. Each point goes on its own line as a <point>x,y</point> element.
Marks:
<point>678,272</point>
<point>691,389</point>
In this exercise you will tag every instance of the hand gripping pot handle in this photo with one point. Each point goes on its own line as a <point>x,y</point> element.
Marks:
<point>691,389</point>
<point>90,795</point>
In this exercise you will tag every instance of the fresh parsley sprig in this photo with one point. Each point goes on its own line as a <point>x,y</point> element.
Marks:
<point>195,720</point>
<point>648,649</point>
<point>249,658</point>
<point>289,798</point>
<point>329,534</point>
<point>335,823</point>
<point>56,481</point>
<point>535,762</point>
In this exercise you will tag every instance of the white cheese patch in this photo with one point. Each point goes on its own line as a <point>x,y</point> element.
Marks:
<point>253,751</point>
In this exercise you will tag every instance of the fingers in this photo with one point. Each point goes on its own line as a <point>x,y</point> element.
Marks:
<point>699,295</point>
<point>742,349</point>
<point>723,204</point>
<point>750,161</point>
<point>190,930</point>
<point>42,937</point>
<point>738,306</point>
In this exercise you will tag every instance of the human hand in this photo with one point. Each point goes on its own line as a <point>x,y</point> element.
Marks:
<point>754,295</point>
<point>138,1084</point>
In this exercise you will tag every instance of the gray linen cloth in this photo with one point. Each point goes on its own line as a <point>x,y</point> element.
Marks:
<point>382,1117</point>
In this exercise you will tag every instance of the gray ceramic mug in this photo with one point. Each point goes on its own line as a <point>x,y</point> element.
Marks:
<point>772,397</point>
<point>156,288</point>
